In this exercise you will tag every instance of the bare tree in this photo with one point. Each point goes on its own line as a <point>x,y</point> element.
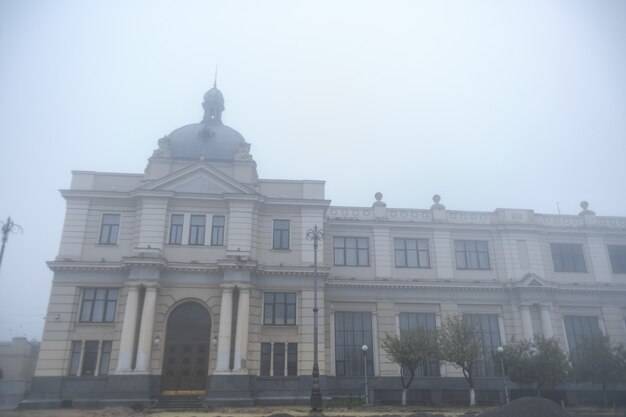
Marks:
<point>411,350</point>
<point>459,344</point>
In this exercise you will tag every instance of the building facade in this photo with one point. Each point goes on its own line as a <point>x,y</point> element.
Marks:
<point>196,277</point>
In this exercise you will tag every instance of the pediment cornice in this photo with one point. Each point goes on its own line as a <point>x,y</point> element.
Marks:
<point>198,178</point>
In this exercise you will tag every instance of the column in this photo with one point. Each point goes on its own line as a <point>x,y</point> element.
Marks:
<point>129,327</point>
<point>527,324</point>
<point>146,330</point>
<point>546,321</point>
<point>241,334</point>
<point>223,341</point>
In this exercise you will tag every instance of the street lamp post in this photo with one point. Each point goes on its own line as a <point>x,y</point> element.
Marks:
<point>500,350</point>
<point>7,227</point>
<point>315,235</point>
<point>364,349</point>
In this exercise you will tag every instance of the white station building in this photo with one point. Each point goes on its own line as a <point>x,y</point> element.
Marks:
<point>196,278</point>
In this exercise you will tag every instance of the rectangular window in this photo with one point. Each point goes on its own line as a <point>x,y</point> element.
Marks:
<point>90,358</point>
<point>279,308</point>
<point>98,305</point>
<point>472,254</point>
<point>110,229</point>
<point>352,331</point>
<point>351,251</point>
<point>292,359</point>
<point>75,358</point>
<point>617,253</point>
<point>281,234</point>
<point>217,231</point>
<point>489,328</point>
<point>105,357</point>
<point>412,253</point>
<point>568,257</point>
<point>86,355</point>
<point>176,229</point>
<point>266,359</point>
<point>197,226</point>
<point>274,358</point>
<point>279,359</point>
<point>576,329</point>
<point>416,322</point>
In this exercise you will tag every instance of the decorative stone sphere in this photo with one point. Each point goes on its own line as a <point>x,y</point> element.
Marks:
<point>378,196</point>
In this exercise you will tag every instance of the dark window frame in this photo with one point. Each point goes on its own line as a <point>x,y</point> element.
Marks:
<point>197,232</point>
<point>472,254</point>
<point>279,359</point>
<point>90,358</point>
<point>577,328</point>
<point>217,230</point>
<point>277,305</point>
<point>109,228</point>
<point>95,302</point>
<point>420,321</point>
<point>353,329</point>
<point>617,255</point>
<point>406,255</point>
<point>176,229</point>
<point>280,234</point>
<point>488,325</point>
<point>351,251</point>
<point>568,257</point>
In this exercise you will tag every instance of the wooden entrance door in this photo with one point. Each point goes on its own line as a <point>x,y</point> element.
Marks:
<point>186,354</point>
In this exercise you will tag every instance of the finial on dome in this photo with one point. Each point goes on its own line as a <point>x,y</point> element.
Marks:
<point>437,205</point>
<point>215,78</point>
<point>213,105</point>
<point>585,206</point>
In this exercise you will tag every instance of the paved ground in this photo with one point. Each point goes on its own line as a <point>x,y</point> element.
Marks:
<point>268,411</point>
<point>239,412</point>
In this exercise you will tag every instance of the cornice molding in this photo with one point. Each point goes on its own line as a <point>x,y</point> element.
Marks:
<point>474,286</point>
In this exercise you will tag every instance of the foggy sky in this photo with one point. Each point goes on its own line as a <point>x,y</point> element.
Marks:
<point>516,104</point>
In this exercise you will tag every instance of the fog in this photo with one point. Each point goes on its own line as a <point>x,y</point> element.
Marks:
<point>516,104</point>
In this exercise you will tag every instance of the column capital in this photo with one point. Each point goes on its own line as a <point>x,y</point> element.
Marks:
<point>152,285</point>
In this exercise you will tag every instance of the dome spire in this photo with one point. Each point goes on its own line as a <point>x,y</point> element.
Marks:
<point>213,104</point>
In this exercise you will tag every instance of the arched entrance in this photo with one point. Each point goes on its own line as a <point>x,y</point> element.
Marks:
<point>186,352</point>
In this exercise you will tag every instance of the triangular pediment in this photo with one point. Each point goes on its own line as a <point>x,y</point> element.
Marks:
<point>198,179</point>
<point>533,280</point>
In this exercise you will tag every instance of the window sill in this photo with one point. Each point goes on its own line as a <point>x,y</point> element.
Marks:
<point>354,266</point>
<point>108,245</point>
<point>95,323</point>
<point>414,267</point>
<point>474,269</point>
<point>288,250</point>
<point>180,245</point>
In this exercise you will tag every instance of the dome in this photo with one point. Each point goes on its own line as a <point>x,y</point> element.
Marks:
<point>203,141</point>
<point>210,139</point>
<point>214,95</point>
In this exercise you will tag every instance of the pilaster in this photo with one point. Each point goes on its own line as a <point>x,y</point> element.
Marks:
<point>223,341</point>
